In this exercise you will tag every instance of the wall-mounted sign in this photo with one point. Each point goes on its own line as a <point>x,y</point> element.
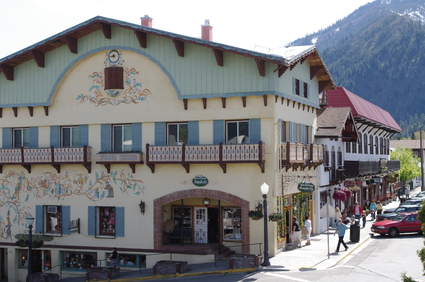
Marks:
<point>200,180</point>
<point>306,187</point>
<point>349,183</point>
<point>391,179</point>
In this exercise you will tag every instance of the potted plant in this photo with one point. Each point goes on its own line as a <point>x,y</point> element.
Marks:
<point>275,216</point>
<point>255,215</point>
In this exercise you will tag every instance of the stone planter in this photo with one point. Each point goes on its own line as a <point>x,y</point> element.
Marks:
<point>244,261</point>
<point>45,277</point>
<point>167,267</point>
<point>102,273</point>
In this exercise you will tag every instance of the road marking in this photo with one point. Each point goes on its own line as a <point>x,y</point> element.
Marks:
<point>287,277</point>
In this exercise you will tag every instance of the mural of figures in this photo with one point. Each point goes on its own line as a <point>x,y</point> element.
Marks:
<point>16,188</point>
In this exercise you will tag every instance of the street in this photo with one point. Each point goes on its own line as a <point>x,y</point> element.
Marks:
<point>381,258</point>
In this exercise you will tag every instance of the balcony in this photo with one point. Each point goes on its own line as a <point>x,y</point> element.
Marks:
<point>299,155</point>
<point>41,156</point>
<point>222,155</point>
<point>130,158</point>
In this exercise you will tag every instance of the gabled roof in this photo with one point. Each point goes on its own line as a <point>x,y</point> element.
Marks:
<point>70,37</point>
<point>331,123</point>
<point>363,111</point>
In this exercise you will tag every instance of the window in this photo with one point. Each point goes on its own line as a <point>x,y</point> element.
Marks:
<point>106,222</point>
<point>177,133</point>
<point>376,145</point>
<point>69,137</point>
<point>79,260</point>
<point>360,144</point>
<point>347,147</point>
<point>122,141</point>
<point>354,144</point>
<point>365,143</point>
<point>21,137</point>
<point>129,260</point>
<point>305,90</point>
<point>237,132</point>
<point>23,258</point>
<point>371,145</point>
<point>283,132</point>
<point>297,86</point>
<point>232,224</point>
<point>53,219</point>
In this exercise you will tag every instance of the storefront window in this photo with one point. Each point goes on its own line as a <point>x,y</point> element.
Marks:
<point>79,260</point>
<point>232,224</point>
<point>130,260</point>
<point>107,221</point>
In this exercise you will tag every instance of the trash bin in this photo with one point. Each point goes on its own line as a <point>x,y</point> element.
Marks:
<point>355,232</point>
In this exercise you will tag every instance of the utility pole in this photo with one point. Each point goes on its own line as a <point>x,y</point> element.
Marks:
<point>422,160</point>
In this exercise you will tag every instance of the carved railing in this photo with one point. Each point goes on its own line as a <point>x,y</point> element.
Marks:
<point>298,154</point>
<point>203,154</point>
<point>130,158</point>
<point>52,156</point>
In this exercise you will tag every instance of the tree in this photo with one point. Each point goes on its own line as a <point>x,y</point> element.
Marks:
<point>409,163</point>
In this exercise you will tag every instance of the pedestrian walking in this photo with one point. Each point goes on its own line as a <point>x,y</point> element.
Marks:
<point>364,219</point>
<point>296,232</point>
<point>340,229</point>
<point>114,256</point>
<point>372,208</point>
<point>307,225</point>
<point>407,191</point>
<point>379,207</point>
<point>338,215</point>
<point>357,211</point>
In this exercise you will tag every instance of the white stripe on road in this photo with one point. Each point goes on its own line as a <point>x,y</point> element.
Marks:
<point>286,276</point>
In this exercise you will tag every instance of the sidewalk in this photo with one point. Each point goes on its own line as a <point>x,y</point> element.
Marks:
<point>312,257</point>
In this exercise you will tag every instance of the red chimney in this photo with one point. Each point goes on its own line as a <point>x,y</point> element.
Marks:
<point>146,21</point>
<point>207,31</point>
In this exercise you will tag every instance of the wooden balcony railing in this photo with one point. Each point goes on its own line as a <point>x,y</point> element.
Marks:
<point>205,154</point>
<point>53,156</point>
<point>130,158</point>
<point>361,168</point>
<point>298,154</point>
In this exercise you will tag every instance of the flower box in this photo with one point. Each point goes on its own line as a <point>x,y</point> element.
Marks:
<point>255,215</point>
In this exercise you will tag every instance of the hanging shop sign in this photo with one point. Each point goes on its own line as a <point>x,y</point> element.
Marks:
<point>377,179</point>
<point>306,187</point>
<point>391,179</point>
<point>200,181</point>
<point>349,183</point>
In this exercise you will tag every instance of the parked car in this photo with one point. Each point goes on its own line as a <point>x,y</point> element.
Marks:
<point>402,223</point>
<point>400,209</point>
<point>420,195</point>
<point>406,203</point>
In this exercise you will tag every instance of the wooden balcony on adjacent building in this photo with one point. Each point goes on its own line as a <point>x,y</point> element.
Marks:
<point>363,168</point>
<point>130,158</point>
<point>42,156</point>
<point>221,154</point>
<point>299,155</point>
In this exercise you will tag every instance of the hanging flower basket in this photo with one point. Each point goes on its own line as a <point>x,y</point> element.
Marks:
<point>349,193</point>
<point>339,195</point>
<point>255,215</point>
<point>276,216</point>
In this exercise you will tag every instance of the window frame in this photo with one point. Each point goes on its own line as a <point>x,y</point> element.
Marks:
<point>73,140</point>
<point>236,218</point>
<point>283,133</point>
<point>245,140</point>
<point>180,127</point>
<point>126,129</point>
<point>48,218</point>
<point>24,138</point>
<point>76,254</point>
<point>104,227</point>
<point>140,260</point>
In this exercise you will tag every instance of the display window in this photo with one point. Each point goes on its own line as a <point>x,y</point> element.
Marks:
<point>79,260</point>
<point>232,224</point>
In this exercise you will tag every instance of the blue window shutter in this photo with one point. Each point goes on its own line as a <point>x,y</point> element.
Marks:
<point>302,133</point>
<point>119,221</point>
<point>105,135</point>
<point>311,137</point>
<point>84,135</point>
<point>159,133</point>
<point>33,137</point>
<point>39,219</point>
<point>7,138</point>
<point>218,131</point>
<point>92,221</point>
<point>66,219</point>
<point>291,131</point>
<point>193,132</point>
<point>136,138</point>
<point>54,136</point>
<point>254,131</point>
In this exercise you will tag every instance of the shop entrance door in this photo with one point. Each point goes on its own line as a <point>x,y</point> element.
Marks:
<point>201,225</point>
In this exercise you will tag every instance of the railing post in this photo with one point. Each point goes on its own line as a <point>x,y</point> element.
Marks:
<point>220,153</point>
<point>147,153</point>
<point>22,155</point>
<point>183,153</point>
<point>85,153</point>
<point>52,149</point>
<point>260,151</point>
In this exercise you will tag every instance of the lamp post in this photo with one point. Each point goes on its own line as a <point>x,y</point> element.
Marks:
<point>264,190</point>
<point>30,221</point>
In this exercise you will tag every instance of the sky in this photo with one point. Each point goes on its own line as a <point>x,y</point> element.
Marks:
<point>244,24</point>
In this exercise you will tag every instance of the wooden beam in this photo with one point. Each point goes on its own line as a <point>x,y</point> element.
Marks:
<point>314,70</point>
<point>38,58</point>
<point>7,71</point>
<point>31,110</point>
<point>223,102</point>
<point>185,104</point>
<point>219,57</point>
<point>281,70</point>
<point>1,114</point>
<point>204,102</point>
<point>265,100</point>
<point>179,45</point>
<point>15,111</point>
<point>107,30</point>
<point>46,110</point>
<point>72,44</point>
<point>323,85</point>
<point>142,37</point>
<point>244,101</point>
<point>261,66</point>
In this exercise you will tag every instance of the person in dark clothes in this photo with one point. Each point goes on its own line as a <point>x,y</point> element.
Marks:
<point>114,257</point>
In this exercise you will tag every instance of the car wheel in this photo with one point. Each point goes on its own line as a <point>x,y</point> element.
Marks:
<point>393,232</point>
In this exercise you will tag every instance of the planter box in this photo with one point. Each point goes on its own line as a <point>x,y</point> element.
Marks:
<point>167,267</point>
<point>45,277</point>
<point>102,273</point>
<point>244,261</point>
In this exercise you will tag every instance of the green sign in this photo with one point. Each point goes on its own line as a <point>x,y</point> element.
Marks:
<point>306,187</point>
<point>200,180</point>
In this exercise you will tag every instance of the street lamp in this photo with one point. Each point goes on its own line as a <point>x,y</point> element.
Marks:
<point>264,190</point>
<point>30,221</point>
